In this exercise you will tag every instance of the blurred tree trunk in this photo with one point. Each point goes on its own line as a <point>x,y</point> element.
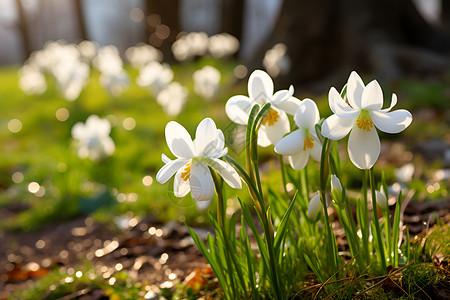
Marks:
<point>23,29</point>
<point>445,14</point>
<point>326,39</point>
<point>79,15</point>
<point>169,15</point>
<point>232,14</point>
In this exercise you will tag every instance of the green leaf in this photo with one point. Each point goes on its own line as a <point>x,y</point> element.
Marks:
<point>281,230</point>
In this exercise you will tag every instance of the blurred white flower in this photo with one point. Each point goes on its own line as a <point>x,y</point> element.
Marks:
<point>193,159</point>
<point>172,98</point>
<point>404,173</point>
<point>360,117</point>
<point>115,83</point>
<point>87,49</point>
<point>260,91</point>
<point>276,61</point>
<point>32,81</point>
<point>222,45</point>
<point>303,142</point>
<point>206,81</point>
<point>142,54</point>
<point>108,60</point>
<point>155,76</point>
<point>190,45</point>
<point>93,137</point>
<point>71,77</point>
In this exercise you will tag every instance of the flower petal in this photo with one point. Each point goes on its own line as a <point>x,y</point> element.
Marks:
<point>372,97</point>
<point>391,122</point>
<point>206,138</point>
<point>180,187</point>
<point>393,103</point>
<point>291,144</point>
<point>363,147</point>
<point>260,87</point>
<point>169,169</point>
<point>307,115</point>
<point>202,205</point>
<point>336,128</point>
<point>263,140</point>
<point>316,151</point>
<point>339,106</point>
<point>227,172</point>
<point>238,108</point>
<point>165,159</point>
<point>202,185</point>
<point>277,130</point>
<point>179,140</point>
<point>355,88</point>
<point>280,96</point>
<point>289,106</point>
<point>299,161</point>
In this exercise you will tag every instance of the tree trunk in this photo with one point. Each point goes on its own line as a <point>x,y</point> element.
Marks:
<point>326,39</point>
<point>168,12</point>
<point>79,15</point>
<point>23,29</point>
<point>232,14</point>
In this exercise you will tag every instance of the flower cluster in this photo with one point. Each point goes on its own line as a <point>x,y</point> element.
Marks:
<point>360,113</point>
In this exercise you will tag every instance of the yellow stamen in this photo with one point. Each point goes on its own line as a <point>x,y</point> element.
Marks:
<point>364,122</point>
<point>186,174</point>
<point>308,144</point>
<point>271,118</point>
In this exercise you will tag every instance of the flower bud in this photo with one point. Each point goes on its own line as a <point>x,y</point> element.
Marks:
<point>314,207</point>
<point>381,199</point>
<point>336,190</point>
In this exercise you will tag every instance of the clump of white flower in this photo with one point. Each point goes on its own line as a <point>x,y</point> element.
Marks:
<point>155,76</point>
<point>142,54</point>
<point>32,81</point>
<point>223,45</point>
<point>93,138</point>
<point>172,98</point>
<point>276,61</point>
<point>113,77</point>
<point>71,77</point>
<point>190,45</point>
<point>206,81</point>
<point>88,50</point>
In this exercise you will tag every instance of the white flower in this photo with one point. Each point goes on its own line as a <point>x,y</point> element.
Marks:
<point>336,189</point>
<point>260,91</point>
<point>314,207</point>
<point>404,173</point>
<point>32,81</point>
<point>87,49</point>
<point>94,139</point>
<point>115,83</point>
<point>360,116</point>
<point>172,98</point>
<point>190,45</point>
<point>71,77</point>
<point>206,81</point>
<point>223,45</point>
<point>108,60</point>
<point>155,76</point>
<point>303,142</point>
<point>276,61</point>
<point>142,54</point>
<point>193,159</point>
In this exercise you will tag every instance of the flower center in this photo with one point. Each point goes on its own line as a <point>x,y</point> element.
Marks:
<point>271,118</point>
<point>186,174</point>
<point>308,144</point>
<point>364,122</point>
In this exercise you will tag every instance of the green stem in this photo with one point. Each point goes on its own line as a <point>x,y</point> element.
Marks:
<point>324,172</point>
<point>283,175</point>
<point>365,225</point>
<point>375,219</point>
